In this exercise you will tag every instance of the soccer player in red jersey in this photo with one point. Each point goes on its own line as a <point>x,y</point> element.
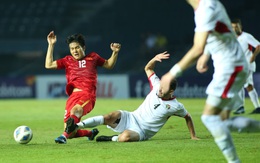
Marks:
<point>81,75</point>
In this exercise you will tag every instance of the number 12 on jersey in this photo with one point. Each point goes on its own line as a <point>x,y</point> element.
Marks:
<point>82,64</point>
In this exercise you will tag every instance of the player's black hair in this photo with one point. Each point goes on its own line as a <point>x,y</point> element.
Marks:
<point>76,38</point>
<point>236,21</point>
<point>173,84</point>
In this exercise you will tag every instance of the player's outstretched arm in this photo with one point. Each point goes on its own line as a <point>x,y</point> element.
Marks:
<point>149,68</point>
<point>110,63</point>
<point>191,127</point>
<point>49,63</point>
<point>256,52</point>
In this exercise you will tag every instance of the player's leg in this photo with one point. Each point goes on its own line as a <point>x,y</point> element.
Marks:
<point>90,134</point>
<point>128,136</point>
<point>124,123</point>
<point>83,106</point>
<point>110,119</point>
<point>242,124</point>
<point>125,136</point>
<point>69,127</point>
<point>62,139</point>
<point>225,114</point>
<point>74,111</point>
<point>91,122</point>
<point>75,115</point>
<point>213,122</point>
<point>254,98</point>
<point>77,105</point>
<point>252,93</point>
<point>241,101</point>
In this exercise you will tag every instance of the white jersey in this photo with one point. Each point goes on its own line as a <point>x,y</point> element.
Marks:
<point>227,55</point>
<point>153,113</point>
<point>248,42</point>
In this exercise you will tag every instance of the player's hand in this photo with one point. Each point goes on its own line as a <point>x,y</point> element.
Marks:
<point>164,55</point>
<point>202,64</point>
<point>51,38</point>
<point>115,47</point>
<point>165,84</point>
<point>252,59</point>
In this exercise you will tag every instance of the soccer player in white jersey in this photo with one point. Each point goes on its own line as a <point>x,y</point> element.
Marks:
<point>213,28</point>
<point>251,48</point>
<point>144,122</point>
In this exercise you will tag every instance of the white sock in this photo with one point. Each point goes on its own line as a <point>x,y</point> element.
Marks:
<point>91,122</point>
<point>254,98</point>
<point>243,124</point>
<point>221,136</point>
<point>115,138</point>
<point>241,97</point>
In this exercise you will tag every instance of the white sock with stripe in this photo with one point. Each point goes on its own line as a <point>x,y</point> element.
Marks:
<point>91,122</point>
<point>221,136</point>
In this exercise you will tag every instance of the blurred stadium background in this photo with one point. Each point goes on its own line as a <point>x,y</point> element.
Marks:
<point>144,28</point>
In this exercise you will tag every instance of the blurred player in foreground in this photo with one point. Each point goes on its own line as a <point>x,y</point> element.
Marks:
<point>213,28</point>
<point>242,124</point>
<point>251,48</point>
<point>143,123</point>
<point>81,75</point>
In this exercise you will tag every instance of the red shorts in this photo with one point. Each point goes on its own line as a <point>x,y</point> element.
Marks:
<point>82,98</point>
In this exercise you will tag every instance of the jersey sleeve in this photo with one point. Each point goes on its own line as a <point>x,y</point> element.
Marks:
<point>61,63</point>
<point>153,80</point>
<point>252,41</point>
<point>180,111</point>
<point>100,60</point>
<point>204,18</point>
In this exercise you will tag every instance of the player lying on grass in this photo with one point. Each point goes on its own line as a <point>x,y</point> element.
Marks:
<point>148,118</point>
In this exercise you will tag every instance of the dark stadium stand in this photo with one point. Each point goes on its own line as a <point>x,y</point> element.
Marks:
<point>25,24</point>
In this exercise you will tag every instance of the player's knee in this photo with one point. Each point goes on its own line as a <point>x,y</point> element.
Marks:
<point>249,87</point>
<point>77,110</point>
<point>124,137</point>
<point>107,118</point>
<point>225,114</point>
<point>215,125</point>
<point>111,117</point>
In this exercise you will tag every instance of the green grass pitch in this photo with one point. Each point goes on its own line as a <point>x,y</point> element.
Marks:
<point>171,144</point>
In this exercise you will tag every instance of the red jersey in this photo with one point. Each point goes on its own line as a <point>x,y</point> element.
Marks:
<point>82,73</point>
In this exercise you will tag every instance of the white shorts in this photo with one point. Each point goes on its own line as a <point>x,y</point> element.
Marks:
<point>227,84</point>
<point>224,103</point>
<point>128,122</point>
<point>249,80</point>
